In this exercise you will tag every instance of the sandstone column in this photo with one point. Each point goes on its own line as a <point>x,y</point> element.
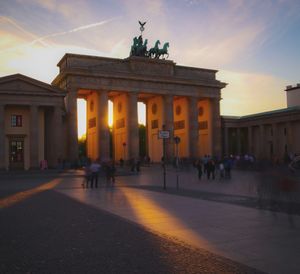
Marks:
<point>261,142</point>
<point>216,126</point>
<point>34,137</point>
<point>71,104</point>
<point>2,137</point>
<point>275,141</point>
<point>57,135</point>
<point>289,137</point>
<point>226,144</point>
<point>193,127</point>
<point>169,125</point>
<point>250,149</point>
<point>102,125</point>
<point>238,137</point>
<point>133,130</point>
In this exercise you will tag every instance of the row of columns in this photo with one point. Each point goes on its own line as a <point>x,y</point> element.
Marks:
<point>262,139</point>
<point>55,135</point>
<point>132,113</point>
<point>2,138</point>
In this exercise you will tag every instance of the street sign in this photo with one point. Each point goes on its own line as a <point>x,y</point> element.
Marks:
<point>163,134</point>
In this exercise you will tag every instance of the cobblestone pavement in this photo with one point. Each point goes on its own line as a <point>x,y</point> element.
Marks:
<point>43,231</point>
<point>53,225</point>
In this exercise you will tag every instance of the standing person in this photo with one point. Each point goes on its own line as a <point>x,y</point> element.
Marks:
<point>212,168</point>
<point>95,168</point>
<point>199,168</point>
<point>112,172</point>
<point>208,169</point>
<point>205,162</point>
<point>221,168</point>
<point>87,176</point>
<point>138,165</point>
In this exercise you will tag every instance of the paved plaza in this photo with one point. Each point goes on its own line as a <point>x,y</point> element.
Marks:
<point>50,221</point>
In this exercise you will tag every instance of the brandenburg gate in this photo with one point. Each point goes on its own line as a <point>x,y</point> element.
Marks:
<point>185,100</point>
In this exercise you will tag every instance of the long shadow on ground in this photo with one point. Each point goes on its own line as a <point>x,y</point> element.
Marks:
<point>51,233</point>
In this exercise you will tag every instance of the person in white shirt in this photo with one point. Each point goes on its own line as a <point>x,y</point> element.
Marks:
<point>94,168</point>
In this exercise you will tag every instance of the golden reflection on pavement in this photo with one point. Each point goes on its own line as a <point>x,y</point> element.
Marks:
<point>150,214</point>
<point>23,195</point>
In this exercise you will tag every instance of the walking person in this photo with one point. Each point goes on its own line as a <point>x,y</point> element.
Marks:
<point>95,168</point>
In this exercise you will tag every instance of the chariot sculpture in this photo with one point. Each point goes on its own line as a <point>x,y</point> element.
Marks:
<point>139,47</point>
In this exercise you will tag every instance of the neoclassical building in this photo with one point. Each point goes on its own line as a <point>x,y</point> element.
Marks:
<point>38,121</point>
<point>32,115</point>
<point>268,135</point>
<point>183,100</point>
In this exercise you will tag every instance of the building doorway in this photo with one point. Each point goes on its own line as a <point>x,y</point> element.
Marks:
<point>16,153</point>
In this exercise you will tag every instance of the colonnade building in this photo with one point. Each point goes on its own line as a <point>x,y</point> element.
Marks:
<point>185,100</point>
<point>271,135</point>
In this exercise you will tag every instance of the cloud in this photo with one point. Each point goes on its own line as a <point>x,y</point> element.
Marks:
<point>68,9</point>
<point>81,28</point>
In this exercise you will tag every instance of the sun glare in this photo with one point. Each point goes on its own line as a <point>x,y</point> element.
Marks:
<point>81,115</point>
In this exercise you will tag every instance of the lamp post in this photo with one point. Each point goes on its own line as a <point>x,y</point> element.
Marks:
<point>177,141</point>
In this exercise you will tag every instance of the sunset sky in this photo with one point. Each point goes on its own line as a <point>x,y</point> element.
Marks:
<point>255,44</point>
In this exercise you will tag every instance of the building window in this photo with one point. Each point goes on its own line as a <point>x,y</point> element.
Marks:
<point>203,125</point>
<point>120,123</point>
<point>154,108</point>
<point>154,124</point>
<point>119,107</point>
<point>16,120</point>
<point>179,124</point>
<point>178,110</point>
<point>92,122</point>
<point>92,106</point>
<point>200,111</point>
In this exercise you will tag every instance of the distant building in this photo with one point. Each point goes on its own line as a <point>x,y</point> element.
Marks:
<point>268,135</point>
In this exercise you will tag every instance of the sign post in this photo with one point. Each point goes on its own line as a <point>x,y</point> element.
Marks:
<point>177,141</point>
<point>164,134</point>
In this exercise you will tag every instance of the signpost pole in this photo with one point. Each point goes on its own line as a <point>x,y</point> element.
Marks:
<point>177,141</point>
<point>164,160</point>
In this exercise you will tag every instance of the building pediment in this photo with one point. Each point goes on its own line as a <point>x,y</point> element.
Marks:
<point>18,84</point>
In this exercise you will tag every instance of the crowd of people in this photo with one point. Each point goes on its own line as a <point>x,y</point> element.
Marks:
<point>93,169</point>
<point>212,167</point>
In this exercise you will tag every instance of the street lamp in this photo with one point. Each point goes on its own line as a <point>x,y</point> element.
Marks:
<point>177,141</point>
